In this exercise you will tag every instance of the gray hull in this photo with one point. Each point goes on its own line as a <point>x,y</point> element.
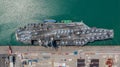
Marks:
<point>61,34</point>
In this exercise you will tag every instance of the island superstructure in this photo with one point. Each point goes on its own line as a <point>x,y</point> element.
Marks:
<point>65,33</point>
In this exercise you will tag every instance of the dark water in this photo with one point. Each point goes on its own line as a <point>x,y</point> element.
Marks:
<point>98,13</point>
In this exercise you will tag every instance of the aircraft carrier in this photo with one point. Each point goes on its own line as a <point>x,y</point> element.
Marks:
<point>50,33</point>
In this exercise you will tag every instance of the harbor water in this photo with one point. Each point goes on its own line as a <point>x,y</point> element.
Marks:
<point>94,13</point>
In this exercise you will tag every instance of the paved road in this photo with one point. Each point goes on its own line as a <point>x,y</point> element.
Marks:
<point>4,49</point>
